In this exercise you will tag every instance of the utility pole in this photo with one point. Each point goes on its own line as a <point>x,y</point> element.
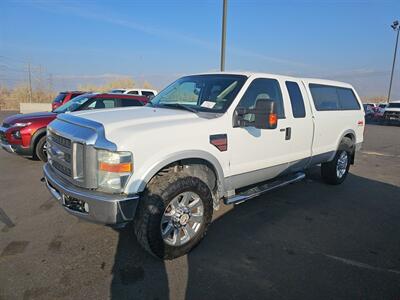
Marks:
<point>223,39</point>
<point>51,82</point>
<point>30,82</point>
<point>395,27</point>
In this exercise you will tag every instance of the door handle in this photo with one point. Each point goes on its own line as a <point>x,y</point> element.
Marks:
<point>288,133</point>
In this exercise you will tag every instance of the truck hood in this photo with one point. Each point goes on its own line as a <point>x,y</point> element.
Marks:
<point>141,118</point>
<point>25,118</point>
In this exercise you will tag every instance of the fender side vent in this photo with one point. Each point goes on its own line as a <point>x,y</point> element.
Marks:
<point>220,141</point>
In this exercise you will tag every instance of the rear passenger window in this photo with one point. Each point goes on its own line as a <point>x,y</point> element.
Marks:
<point>333,98</point>
<point>263,88</point>
<point>133,93</point>
<point>348,100</point>
<point>325,97</point>
<point>296,99</point>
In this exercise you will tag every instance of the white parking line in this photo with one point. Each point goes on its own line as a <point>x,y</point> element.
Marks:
<point>360,264</point>
<point>378,154</point>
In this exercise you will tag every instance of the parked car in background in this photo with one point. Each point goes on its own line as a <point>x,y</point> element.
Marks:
<point>25,134</point>
<point>204,139</point>
<point>141,92</point>
<point>369,111</point>
<point>392,112</point>
<point>380,111</point>
<point>64,97</point>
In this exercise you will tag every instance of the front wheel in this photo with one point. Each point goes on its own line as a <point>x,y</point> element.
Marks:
<point>173,215</point>
<point>41,149</point>
<point>335,171</point>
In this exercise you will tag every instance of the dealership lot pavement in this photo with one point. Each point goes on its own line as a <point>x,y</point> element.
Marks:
<point>305,241</point>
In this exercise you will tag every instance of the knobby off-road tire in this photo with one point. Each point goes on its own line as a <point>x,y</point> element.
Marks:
<point>40,152</point>
<point>157,199</point>
<point>335,171</point>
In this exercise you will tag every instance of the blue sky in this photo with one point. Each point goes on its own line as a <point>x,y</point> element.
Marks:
<point>91,41</point>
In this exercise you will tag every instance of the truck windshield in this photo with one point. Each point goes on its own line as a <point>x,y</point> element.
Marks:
<point>72,105</point>
<point>209,93</point>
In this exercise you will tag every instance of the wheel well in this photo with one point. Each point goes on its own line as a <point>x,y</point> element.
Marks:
<point>36,137</point>
<point>353,139</point>
<point>195,167</point>
<point>351,136</point>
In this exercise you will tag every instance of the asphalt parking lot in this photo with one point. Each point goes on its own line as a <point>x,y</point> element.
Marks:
<point>305,241</point>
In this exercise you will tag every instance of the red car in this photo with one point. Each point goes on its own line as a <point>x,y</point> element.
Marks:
<point>25,134</point>
<point>64,97</point>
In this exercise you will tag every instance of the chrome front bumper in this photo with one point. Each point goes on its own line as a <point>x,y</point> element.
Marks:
<point>109,209</point>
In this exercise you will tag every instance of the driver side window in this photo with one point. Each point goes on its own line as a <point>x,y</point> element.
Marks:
<point>263,88</point>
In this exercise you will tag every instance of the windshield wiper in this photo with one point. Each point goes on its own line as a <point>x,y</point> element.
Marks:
<point>180,106</point>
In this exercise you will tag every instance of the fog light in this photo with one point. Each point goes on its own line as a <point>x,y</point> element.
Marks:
<point>75,204</point>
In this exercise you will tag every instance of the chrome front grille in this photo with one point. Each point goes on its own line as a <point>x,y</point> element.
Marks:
<point>62,141</point>
<point>72,160</point>
<point>72,142</point>
<point>59,152</point>
<point>61,168</point>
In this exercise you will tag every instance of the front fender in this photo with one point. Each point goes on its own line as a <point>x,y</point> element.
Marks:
<point>138,184</point>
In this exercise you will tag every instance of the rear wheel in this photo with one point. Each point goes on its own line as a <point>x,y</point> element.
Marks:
<point>173,215</point>
<point>335,171</point>
<point>40,149</point>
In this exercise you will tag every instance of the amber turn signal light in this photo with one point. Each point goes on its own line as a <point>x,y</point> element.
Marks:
<point>272,120</point>
<point>116,168</point>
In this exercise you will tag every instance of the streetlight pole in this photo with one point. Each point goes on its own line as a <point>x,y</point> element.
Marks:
<point>395,27</point>
<point>223,39</point>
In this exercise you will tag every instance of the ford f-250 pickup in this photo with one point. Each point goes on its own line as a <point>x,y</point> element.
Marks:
<point>204,139</point>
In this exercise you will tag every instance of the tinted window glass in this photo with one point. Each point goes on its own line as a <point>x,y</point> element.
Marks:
<point>144,93</point>
<point>263,88</point>
<point>60,98</point>
<point>133,93</point>
<point>325,97</point>
<point>348,100</point>
<point>101,103</point>
<point>394,105</point>
<point>296,99</point>
<point>130,102</point>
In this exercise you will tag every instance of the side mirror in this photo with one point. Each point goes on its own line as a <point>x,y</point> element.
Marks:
<point>265,116</point>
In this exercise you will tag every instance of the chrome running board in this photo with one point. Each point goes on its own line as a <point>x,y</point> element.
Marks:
<point>263,188</point>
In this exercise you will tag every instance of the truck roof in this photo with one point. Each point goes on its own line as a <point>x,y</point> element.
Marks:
<point>283,77</point>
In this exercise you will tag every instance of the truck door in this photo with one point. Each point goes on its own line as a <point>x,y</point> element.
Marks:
<point>302,124</point>
<point>259,154</point>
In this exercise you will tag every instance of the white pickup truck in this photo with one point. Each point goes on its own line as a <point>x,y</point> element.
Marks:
<point>204,139</point>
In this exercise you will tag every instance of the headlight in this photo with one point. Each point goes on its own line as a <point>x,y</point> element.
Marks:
<point>21,124</point>
<point>114,169</point>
